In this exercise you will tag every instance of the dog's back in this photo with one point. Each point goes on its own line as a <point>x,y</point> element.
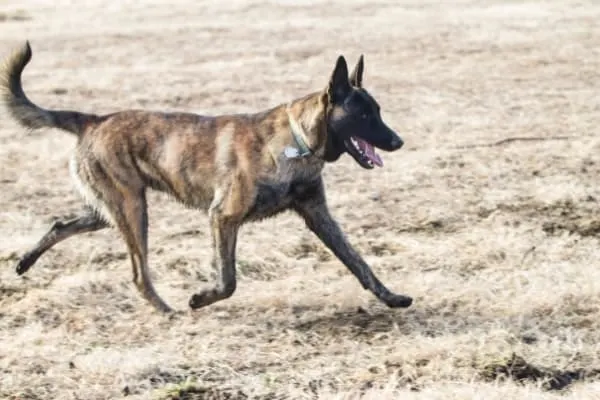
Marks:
<point>174,152</point>
<point>169,152</point>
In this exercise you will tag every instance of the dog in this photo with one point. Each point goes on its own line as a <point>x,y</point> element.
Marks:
<point>237,168</point>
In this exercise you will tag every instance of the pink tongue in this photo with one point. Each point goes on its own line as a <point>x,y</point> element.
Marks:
<point>370,152</point>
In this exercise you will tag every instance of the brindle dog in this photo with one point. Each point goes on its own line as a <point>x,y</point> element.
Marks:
<point>238,168</point>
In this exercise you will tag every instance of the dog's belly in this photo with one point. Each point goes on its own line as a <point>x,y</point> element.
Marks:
<point>192,188</point>
<point>193,194</point>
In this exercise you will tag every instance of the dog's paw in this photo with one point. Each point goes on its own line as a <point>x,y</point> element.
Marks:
<point>398,301</point>
<point>25,263</point>
<point>202,299</point>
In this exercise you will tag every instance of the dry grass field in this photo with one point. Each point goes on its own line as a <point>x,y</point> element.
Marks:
<point>488,216</point>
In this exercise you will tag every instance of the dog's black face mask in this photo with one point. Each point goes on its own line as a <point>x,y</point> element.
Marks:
<point>354,124</point>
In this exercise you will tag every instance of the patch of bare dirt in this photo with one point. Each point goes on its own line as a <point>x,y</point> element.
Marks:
<point>14,16</point>
<point>192,392</point>
<point>564,216</point>
<point>517,369</point>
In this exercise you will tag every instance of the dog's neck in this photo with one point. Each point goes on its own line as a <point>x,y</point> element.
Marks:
<point>300,148</point>
<point>307,127</point>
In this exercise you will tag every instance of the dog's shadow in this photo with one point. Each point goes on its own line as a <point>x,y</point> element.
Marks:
<point>429,322</point>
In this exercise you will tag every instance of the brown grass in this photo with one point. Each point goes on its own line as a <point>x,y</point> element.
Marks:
<point>497,244</point>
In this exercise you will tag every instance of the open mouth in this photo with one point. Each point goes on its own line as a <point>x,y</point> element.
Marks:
<point>364,153</point>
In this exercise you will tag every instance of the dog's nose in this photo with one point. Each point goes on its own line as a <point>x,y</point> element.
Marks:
<point>397,143</point>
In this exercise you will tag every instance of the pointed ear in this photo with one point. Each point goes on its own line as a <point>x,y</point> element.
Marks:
<point>339,86</point>
<point>357,74</point>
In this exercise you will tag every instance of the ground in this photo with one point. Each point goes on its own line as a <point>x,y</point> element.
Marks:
<point>488,216</point>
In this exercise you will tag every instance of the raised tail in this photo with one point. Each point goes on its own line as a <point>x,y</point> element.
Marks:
<point>23,110</point>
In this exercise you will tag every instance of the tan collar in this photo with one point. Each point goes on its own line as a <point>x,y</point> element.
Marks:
<point>302,149</point>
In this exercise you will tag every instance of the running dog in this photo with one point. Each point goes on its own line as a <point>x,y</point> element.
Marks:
<point>237,168</point>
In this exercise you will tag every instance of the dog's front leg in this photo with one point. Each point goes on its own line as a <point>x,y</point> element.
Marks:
<point>312,206</point>
<point>224,231</point>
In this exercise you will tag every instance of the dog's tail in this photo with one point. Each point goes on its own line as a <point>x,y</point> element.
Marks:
<point>23,110</point>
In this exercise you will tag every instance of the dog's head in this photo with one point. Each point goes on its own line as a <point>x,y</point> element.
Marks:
<point>354,123</point>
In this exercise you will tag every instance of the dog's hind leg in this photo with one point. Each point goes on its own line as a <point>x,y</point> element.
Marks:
<point>60,230</point>
<point>130,213</point>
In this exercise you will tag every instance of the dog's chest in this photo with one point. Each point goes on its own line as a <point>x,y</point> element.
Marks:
<point>271,196</point>
<point>278,193</point>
